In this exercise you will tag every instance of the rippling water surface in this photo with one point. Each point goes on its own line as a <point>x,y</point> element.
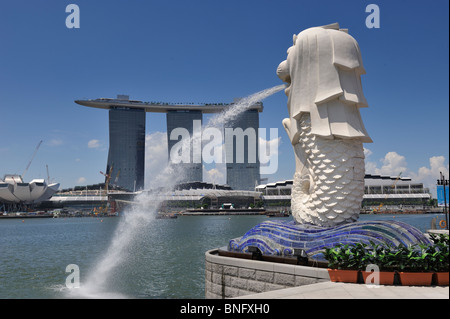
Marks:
<point>165,261</point>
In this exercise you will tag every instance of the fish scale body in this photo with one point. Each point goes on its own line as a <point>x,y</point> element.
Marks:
<point>330,188</point>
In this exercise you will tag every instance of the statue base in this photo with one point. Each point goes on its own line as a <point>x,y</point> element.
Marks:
<point>280,238</point>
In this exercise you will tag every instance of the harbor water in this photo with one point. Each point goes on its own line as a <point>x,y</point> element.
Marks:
<point>166,261</point>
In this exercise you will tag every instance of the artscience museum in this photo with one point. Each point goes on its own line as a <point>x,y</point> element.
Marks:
<point>13,190</point>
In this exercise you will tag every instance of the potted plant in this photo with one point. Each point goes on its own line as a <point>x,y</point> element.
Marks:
<point>414,266</point>
<point>439,258</point>
<point>344,262</point>
<point>384,257</point>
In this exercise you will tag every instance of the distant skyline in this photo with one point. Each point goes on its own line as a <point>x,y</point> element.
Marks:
<point>205,51</point>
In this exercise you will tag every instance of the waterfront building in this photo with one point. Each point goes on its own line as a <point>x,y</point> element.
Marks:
<point>188,195</point>
<point>380,192</point>
<point>126,156</point>
<point>14,191</point>
<point>192,169</point>
<point>394,191</point>
<point>194,195</point>
<point>242,151</point>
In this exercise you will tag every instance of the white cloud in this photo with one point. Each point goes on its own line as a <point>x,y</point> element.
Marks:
<point>268,154</point>
<point>156,156</point>
<point>55,142</point>
<point>429,175</point>
<point>94,144</point>
<point>271,146</point>
<point>367,152</point>
<point>81,180</point>
<point>216,175</point>
<point>393,164</point>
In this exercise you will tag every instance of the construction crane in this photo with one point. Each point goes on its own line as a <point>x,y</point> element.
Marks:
<point>104,209</point>
<point>32,157</point>
<point>398,177</point>
<point>107,178</point>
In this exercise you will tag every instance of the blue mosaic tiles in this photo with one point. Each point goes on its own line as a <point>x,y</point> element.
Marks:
<point>280,237</point>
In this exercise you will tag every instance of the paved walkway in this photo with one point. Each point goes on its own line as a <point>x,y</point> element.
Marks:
<point>338,290</point>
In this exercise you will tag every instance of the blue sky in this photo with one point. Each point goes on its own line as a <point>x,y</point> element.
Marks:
<point>210,51</point>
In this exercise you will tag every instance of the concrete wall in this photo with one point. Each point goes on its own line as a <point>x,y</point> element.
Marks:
<point>228,277</point>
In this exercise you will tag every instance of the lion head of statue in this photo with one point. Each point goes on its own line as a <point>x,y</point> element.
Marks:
<point>323,71</point>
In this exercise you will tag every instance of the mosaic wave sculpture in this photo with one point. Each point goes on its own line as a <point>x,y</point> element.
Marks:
<point>280,238</point>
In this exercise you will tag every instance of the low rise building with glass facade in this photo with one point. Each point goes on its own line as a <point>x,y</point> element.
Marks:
<point>380,192</point>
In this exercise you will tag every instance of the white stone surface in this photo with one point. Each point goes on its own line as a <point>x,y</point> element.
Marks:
<point>339,290</point>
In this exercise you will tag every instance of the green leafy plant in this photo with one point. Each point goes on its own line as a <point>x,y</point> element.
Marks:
<point>438,257</point>
<point>384,256</point>
<point>414,258</point>
<point>346,256</point>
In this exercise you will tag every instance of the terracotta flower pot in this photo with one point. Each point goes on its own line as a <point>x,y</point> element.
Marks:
<point>385,277</point>
<point>340,275</point>
<point>416,278</point>
<point>441,278</point>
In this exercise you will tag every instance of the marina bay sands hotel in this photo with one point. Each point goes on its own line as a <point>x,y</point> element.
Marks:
<point>126,156</point>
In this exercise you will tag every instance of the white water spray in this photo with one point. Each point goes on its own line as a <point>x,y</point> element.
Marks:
<point>242,105</point>
<point>138,217</point>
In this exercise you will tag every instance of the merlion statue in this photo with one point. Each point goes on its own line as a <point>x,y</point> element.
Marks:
<point>323,70</point>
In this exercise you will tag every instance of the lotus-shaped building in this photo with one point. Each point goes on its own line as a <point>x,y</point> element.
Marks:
<point>14,190</point>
